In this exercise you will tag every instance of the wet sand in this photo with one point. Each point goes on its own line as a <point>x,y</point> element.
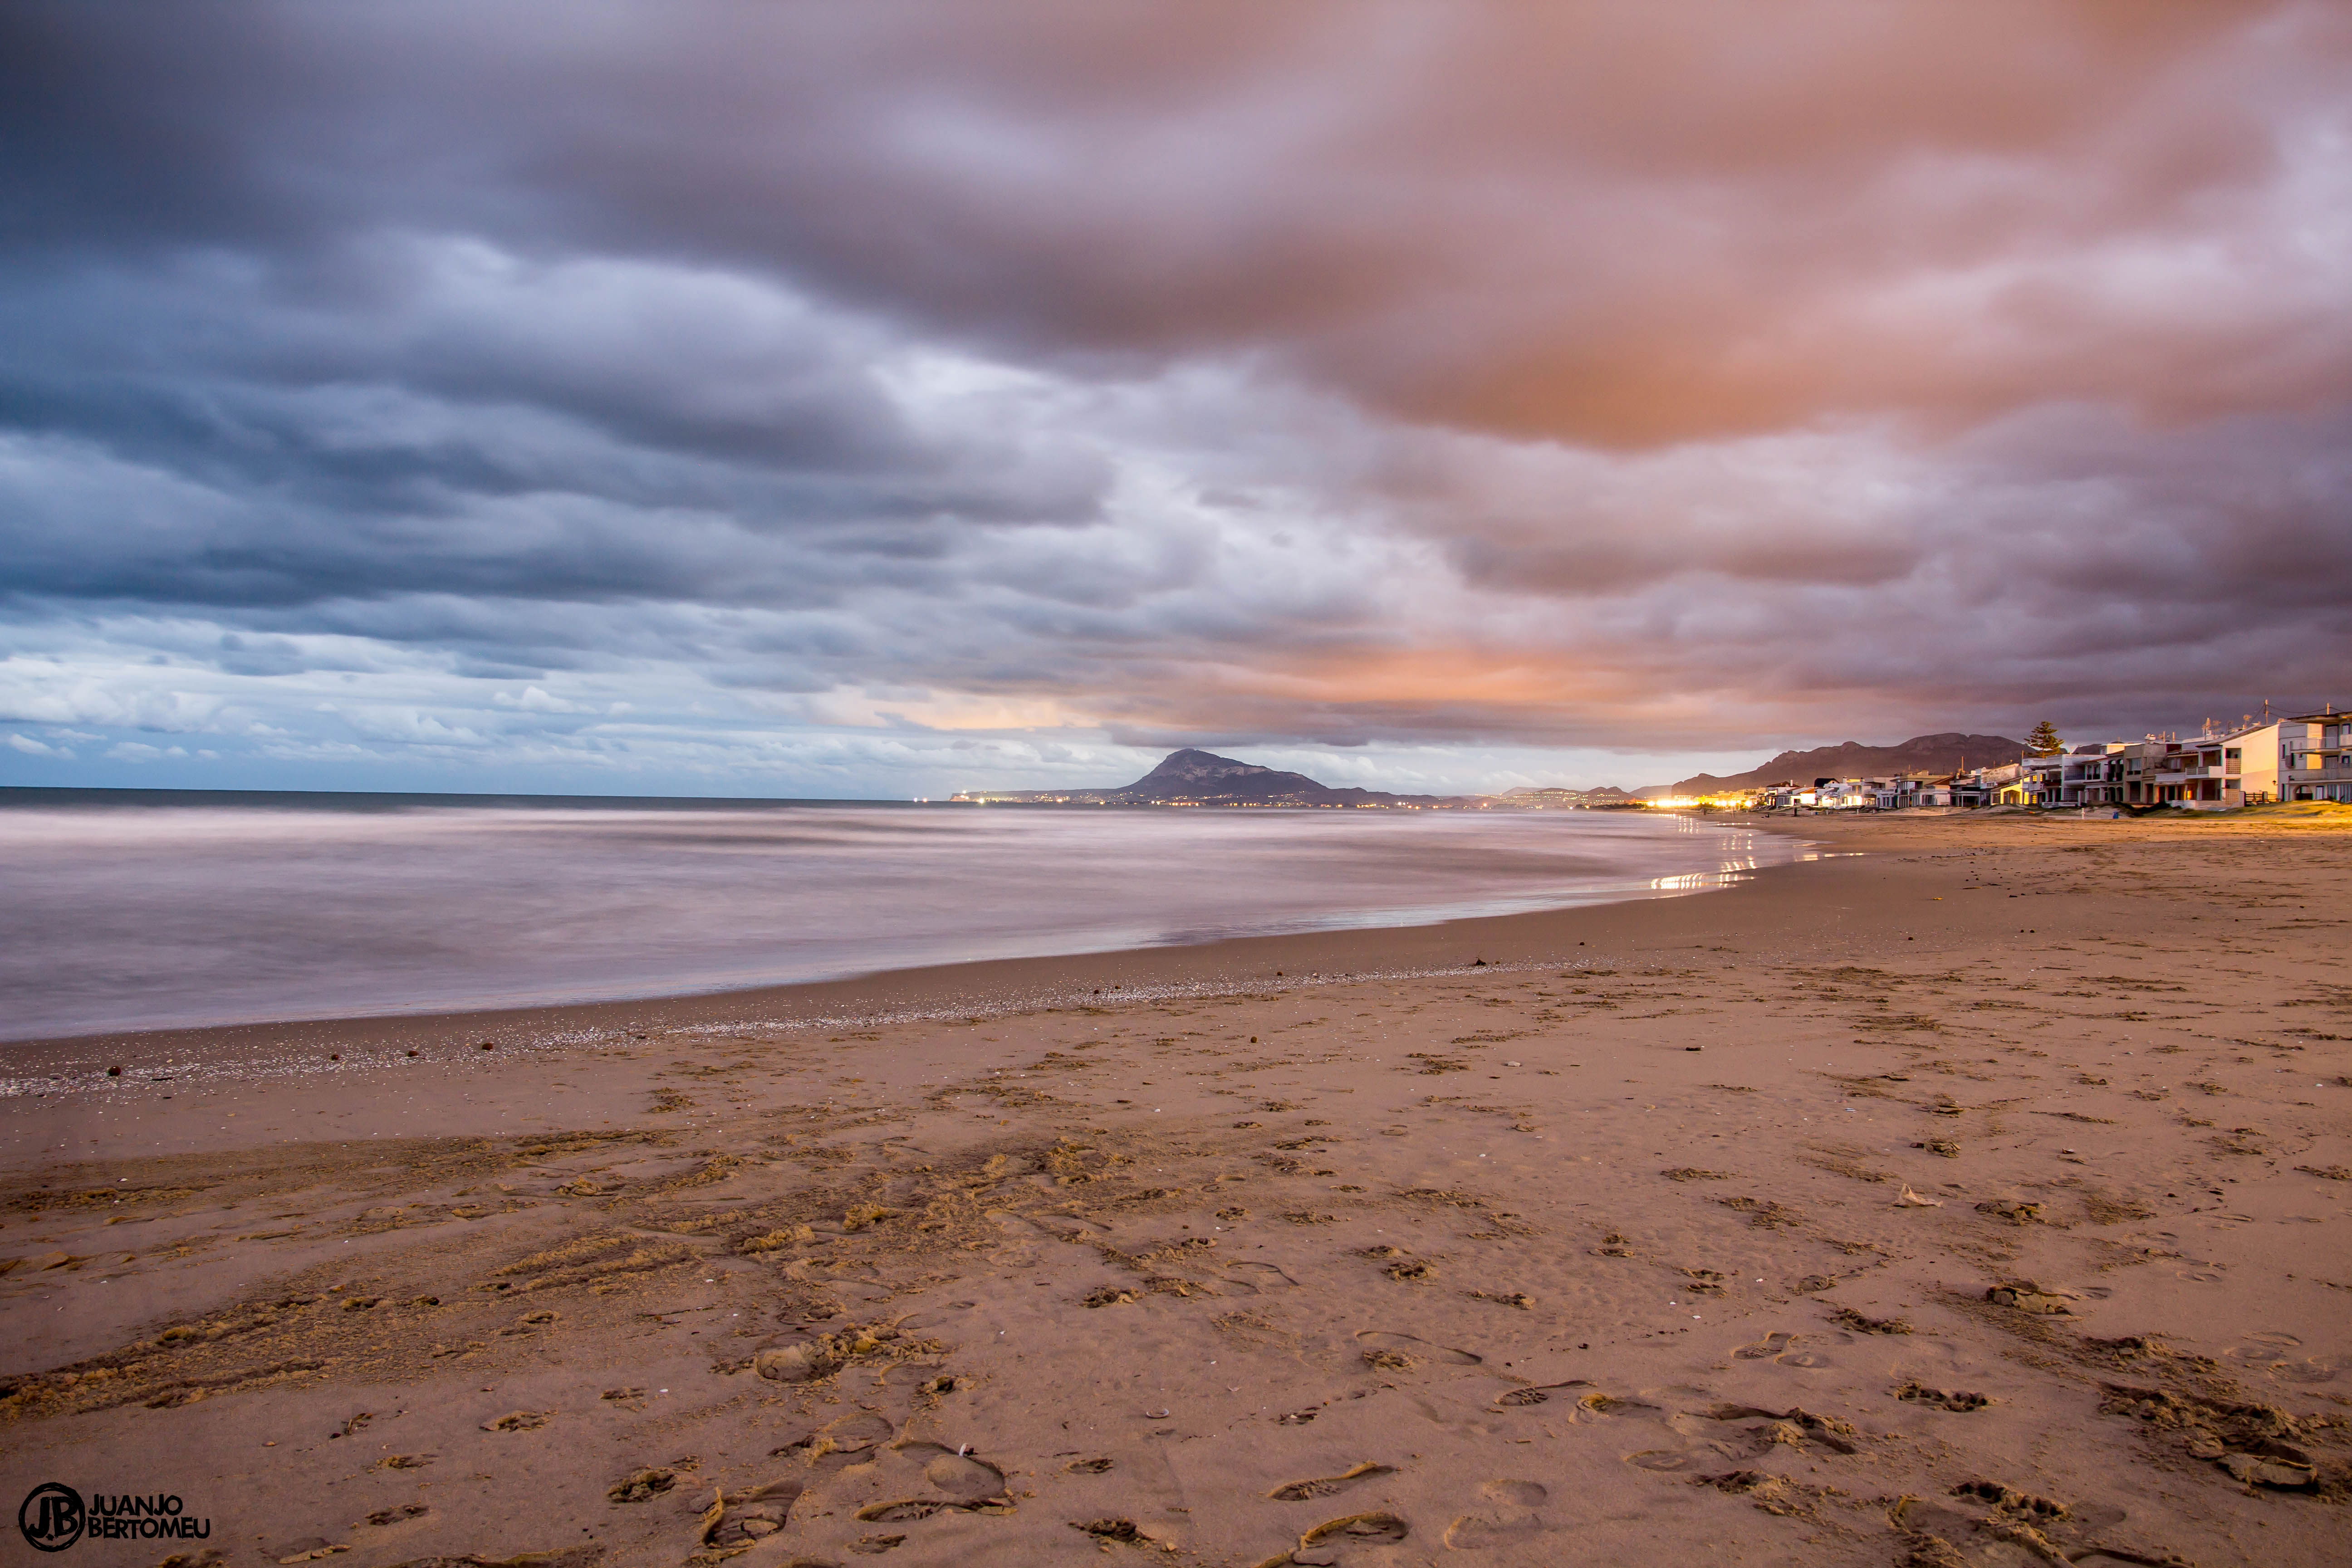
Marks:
<point>1977,1193</point>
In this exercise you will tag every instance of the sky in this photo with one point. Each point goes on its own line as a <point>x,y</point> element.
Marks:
<point>879,400</point>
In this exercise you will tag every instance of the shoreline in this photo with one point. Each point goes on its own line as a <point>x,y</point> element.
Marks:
<point>911,993</point>
<point>989,986</point>
<point>993,987</point>
<point>548,945</point>
<point>1644,924</point>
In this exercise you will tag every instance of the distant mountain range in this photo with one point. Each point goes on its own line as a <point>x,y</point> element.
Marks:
<point>1920,754</point>
<point>1193,777</point>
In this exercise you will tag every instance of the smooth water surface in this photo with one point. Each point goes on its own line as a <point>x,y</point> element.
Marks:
<point>144,912</point>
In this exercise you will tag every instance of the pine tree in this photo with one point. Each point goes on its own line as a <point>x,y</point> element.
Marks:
<point>2044,740</point>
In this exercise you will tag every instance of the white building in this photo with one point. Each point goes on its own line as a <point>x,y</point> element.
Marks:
<point>2316,757</point>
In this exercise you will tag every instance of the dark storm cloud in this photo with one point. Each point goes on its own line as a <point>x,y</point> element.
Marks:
<point>1344,373</point>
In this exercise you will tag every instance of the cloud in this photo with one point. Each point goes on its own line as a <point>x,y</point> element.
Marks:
<point>526,388</point>
<point>139,751</point>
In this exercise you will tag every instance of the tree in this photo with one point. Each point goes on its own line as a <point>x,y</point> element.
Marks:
<point>2044,740</point>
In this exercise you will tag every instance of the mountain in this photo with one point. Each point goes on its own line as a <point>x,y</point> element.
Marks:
<point>1192,775</point>
<point>1195,777</point>
<point>1920,754</point>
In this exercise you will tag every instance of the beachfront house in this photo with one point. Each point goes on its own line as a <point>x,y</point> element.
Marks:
<point>1982,786</point>
<point>2213,772</point>
<point>1844,794</point>
<point>2316,757</point>
<point>1910,792</point>
<point>2204,774</point>
<point>1928,790</point>
<point>2094,775</point>
<point>2038,782</point>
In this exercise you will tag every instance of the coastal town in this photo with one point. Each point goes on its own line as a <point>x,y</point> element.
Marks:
<point>2258,762</point>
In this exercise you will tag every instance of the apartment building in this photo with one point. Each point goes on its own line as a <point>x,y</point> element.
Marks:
<point>2092,776</point>
<point>2316,757</point>
<point>2214,773</point>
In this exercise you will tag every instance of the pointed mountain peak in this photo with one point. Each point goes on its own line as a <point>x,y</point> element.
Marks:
<point>1192,765</point>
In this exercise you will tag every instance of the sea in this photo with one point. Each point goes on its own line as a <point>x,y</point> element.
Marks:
<point>131,909</point>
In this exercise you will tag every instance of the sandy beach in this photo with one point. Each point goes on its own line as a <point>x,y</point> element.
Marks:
<point>1979,1191</point>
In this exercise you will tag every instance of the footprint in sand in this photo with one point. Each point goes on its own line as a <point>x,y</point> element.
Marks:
<point>641,1485</point>
<point>1481,1532</point>
<point>1520,1299</point>
<point>1794,1427</point>
<point>1599,1406</point>
<point>923,1322</point>
<point>737,1520</point>
<point>1780,1349</point>
<point>852,1433</point>
<point>1260,1276</point>
<point>901,1511</point>
<point>2274,1355</point>
<point>1940,1399</point>
<point>518,1421</point>
<point>2025,1296</point>
<point>843,1442</point>
<point>961,1475</point>
<point>2012,1502</point>
<point>1329,1486</point>
<point>1510,1522</point>
<point>1406,1350</point>
<point>963,1482</point>
<point>1663,1459</point>
<point>905,1510</point>
<point>1327,1541</point>
<point>1539,1394</point>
